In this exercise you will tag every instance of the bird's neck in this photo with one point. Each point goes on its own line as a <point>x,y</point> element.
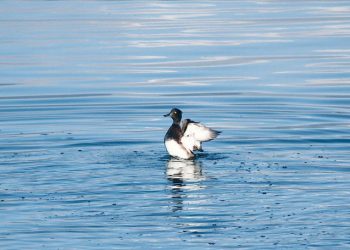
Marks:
<point>176,121</point>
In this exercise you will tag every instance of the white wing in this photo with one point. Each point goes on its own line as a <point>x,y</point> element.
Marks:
<point>195,134</point>
<point>200,132</point>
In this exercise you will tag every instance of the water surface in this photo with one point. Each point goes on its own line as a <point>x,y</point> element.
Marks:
<point>84,85</point>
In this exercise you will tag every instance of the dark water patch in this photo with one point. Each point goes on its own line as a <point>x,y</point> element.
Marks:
<point>54,96</point>
<point>109,143</point>
<point>271,141</point>
<point>7,84</point>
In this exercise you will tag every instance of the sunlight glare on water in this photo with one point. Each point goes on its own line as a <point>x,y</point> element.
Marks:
<point>83,89</point>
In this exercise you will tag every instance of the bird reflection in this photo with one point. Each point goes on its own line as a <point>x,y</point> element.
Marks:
<point>183,175</point>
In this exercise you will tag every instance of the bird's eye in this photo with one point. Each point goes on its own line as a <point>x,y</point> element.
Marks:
<point>175,112</point>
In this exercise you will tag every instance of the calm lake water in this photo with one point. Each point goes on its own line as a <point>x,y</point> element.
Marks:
<point>84,85</point>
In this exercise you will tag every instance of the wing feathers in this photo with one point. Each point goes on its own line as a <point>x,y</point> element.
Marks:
<point>200,132</point>
<point>194,133</point>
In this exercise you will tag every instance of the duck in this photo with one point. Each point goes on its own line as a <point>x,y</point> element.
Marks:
<point>184,137</point>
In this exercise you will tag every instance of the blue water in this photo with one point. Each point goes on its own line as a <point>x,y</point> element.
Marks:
<point>84,85</point>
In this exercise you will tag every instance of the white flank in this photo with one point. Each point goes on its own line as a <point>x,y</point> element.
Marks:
<point>177,150</point>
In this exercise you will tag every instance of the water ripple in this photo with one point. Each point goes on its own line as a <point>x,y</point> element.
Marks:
<point>83,90</point>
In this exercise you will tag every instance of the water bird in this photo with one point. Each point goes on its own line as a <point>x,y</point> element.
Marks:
<point>185,137</point>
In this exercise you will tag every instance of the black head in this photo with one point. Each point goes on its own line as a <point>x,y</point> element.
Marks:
<point>175,114</point>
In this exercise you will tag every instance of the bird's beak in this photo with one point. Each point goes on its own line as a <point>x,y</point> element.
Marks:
<point>167,114</point>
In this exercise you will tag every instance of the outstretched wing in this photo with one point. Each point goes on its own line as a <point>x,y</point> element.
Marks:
<point>194,133</point>
<point>200,132</point>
